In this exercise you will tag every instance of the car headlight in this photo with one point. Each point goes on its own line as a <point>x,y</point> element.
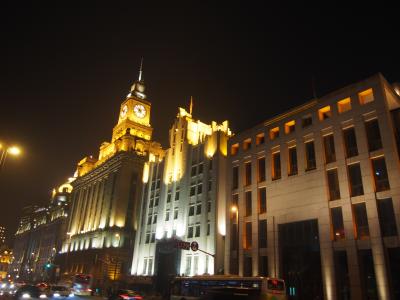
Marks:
<point>26,295</point>
<point>42,296</point>
<point>71,295</point>
<point>56,295</point>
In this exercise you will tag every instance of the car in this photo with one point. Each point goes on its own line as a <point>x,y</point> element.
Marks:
<point>57,291</point>
<point>125,295</point>
<point>30,292</point>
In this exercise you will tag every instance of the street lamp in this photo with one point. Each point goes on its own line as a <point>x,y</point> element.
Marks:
<point>5,150</point>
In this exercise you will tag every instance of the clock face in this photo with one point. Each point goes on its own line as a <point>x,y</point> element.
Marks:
<point>139,110</point>
<point>124,111</point>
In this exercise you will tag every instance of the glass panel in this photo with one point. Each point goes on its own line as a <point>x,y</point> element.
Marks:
<point>292,161</point>
<point>337,223</point>
<point>329,147</point>
<point>261,169</point>
<point>248,203</point>
<point>262,200</point>
<point>356,186</point>
<point>350,142</point>
<point>361,221</point>
<point>373,135</point>
<point>333,184</point>
<point>387,220</point>
<point>276,165</point>
<point>310,156</point>
<point>380,174</point>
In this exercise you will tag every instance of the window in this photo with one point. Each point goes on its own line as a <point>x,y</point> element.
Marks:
<point>188,265</point>
<point>177,194</point>
<point>248,239</point>
<point>262,233</point>
<point>195,264</point>
<point>209,185</point>
<point>208,228</point>
<point>310,156</point>
<point>380,174</point>
<point>198,209</point>
<point>176,213</point>
<point>337,223</point>
<point>149,220</point>
<point>197,233</point>
<point>324,113</point>
<point>248,203</point>
<point>169,196</point>
<point>274,133</point>
<point>247,144</point>
<point>329,147</point>
<point>356,186</point>
<point>290,126</point>
<point>200,188</point>
<point>262,200</point>
<point>350,142</point>
<point>190,231</point>
<point>201,168</point>
<point>193,171</point>
<point>234,149</point>
<point>261,169</point>
<point>344,105</point>
<point>147,238</point>
<point>292,161</point>
<point>209,206</point>
<point>366,96</point>
<point>191,210</point>
<point>153,237</point>
<point>156,201</point>
<point>155,219</point>
<point>192,190</point>
<point>167,215</point>
<point>260,139</point>
<point>235,177</point>
<point>247,167</point>
<point>360,221</point>
<point>276,165</point>
<point>333,184</point>
<point>387,220</point>
<point>373,135</point>
<point>306,121</point>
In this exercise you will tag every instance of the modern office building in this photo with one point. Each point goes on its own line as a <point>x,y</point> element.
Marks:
<point>106,193</point>
<point>314,196</point>
<point>183,199</point>
<point>39,237</point>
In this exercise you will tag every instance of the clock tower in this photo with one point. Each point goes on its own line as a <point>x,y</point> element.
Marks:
<point>134,115</point>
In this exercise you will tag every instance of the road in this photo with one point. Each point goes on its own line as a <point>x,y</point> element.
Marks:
<point>7,297</point>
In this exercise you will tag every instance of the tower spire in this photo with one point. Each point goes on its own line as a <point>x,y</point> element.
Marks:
<point>191,105</point>
<point>141,69</point>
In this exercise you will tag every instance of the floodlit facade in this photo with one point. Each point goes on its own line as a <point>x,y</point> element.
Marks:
<point>314,196</point>
<point>105,199</point>
<point>6,257</point>
<point>2,235</point>
<point>183,198</point>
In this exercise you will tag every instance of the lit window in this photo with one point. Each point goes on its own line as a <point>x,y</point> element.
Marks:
<point>324,113</point>
<point>366,96</point>
<point>290,127</point>
<point>274,133</point>
<point>344,105</point>
<point>260,139</point>
<point>247,144</point>
<point>234,149</point>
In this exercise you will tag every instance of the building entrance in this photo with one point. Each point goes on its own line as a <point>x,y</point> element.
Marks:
<point>300,259</point>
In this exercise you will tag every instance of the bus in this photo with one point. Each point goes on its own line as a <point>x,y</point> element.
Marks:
<point>227,287</point>
<point>82,284</point>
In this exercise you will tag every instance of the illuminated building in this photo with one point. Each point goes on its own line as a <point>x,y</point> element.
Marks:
<point>184,198</point>
<point>105,198</point>
<point>314,196</point>
<point>39,237</point>
<point>6,257</point>
<point>2,235</point>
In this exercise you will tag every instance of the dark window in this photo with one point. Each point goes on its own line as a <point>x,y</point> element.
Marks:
<point>200,188</point>
<point>147,238</point>
<point>175,214</point>
<point>234,236</point>
<point>350,142</point>
<point>209,186</point>
<point>337,223</point>
<point>333,184</point>
<point>276,165</point>
<point>149,220</point>
<point>262,233</point>
<point>356,186</point>
<point>169,196</point>
<point>193,172</point>
<point>373,135</point>
<point>248,239</point>
<point>306,121</point>
<point>261,169</point>
<point>247,167</point>
<point>361,221</point>
<point>208,206</point>
<point>210,166</point>
<point>367,274</point>
<point>192,191</point>
<point>260,139</point>
<point>154,219</point>
<point>201,168</point>
<point>342,275</point>
<point>156,201</point>
<point>329,147</point>
<point>153,237</point>
<point>198,209</point>
<point>262,200</point>
<point>235,177</point>
<point>263,266</point>
<point>208,228</point>
<point>292,161</point>
<point>380,174</point>
<point>191,210</point>
<point>177,195</point>
<point>190,232</point>
<point>167,216</point>
<point>310,156</point>
<point>387,219</point>
<point>197,234</point>
<point>248,203</point>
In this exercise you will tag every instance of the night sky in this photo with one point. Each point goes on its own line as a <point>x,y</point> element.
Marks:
<point>66,69</point>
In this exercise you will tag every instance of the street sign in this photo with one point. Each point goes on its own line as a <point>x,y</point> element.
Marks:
<point>194,246</point>
<point>182,245</point>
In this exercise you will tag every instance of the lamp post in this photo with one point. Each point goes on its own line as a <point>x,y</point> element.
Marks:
<point>235,210</point>
<point>5,150</point>
<point>116,258</point>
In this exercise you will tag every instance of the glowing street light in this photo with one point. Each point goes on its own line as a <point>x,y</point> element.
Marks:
<point>5,150</point>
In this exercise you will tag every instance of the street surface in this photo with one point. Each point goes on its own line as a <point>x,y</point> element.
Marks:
<point>8,297</point>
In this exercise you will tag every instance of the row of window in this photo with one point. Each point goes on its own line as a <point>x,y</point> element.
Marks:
<point>350,144</point>
<point>386,217</point>
<point>248,237</point>
<point>324,113</point>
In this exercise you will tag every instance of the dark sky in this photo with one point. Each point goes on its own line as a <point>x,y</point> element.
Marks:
<point>66,69</point>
